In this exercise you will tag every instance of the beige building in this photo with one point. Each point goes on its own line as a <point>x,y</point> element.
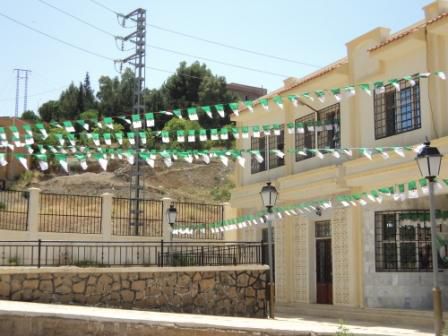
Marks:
<point>374,255</point>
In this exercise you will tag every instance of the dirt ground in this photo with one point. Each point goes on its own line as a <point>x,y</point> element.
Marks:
<point>182,181</point>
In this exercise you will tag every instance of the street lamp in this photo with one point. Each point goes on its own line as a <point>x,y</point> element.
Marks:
<point>429,160</point>
<point>172,213</point>
<point>269,197</point>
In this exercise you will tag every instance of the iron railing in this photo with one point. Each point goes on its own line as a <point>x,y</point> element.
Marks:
<point>105,254</point>
<point>151,218</point>
<point>200,216</point>
<point>70,213</point>
<point>14,210</point>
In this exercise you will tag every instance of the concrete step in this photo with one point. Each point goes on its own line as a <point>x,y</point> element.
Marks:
<point>393,317</point>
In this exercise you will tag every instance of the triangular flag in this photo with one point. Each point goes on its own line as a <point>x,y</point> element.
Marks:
<point>395,83</point>
<point>245,132</point>
<point>82,161</point>
<point>191,135</point>
<point>192,113</point>
<point>224,134</point>
<point>3,161</point>
<point>180,136</point>
<point>136,121</point>
<point>165,136</point>
<point>208,111</point>
<point>27,129</point>
<point>214,134</point>
<point>83,124</point>
<point>235,108</point>
<point>131,138</point>
<point>249,105</point>
<point>220,110</point>
<point>202,135</point>
<point>379,87</point>
<point>107,138</point>
<point>256,131</point>
<point>410,79</point>
<point>43,161</point>
<point>440,74</point>
<point>366,88</point>
<point>62,159</point>
<point>119,137</point>
<point>68,126</point>
<point>178,113</point>
<point>294,100</point>
<point>149,117</point>
<point>108,122</point>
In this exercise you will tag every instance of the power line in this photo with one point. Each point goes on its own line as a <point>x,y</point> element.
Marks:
<point>232,47</point>
<point>221,44</point>
<point>81,48</point>
<point>237,66</point>
<point>77,18</point>
<point>218,62</point>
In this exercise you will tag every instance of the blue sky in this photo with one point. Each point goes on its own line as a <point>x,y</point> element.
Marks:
<point>312,32</point>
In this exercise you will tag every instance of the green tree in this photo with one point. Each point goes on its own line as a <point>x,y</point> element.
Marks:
<point>115,95</point>
<point>89,95</point>
<point>175,125</point>
<point>30,116</point>
<point>49,110</point>
<point>69,103</point>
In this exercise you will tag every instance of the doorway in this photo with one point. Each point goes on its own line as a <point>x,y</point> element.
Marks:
<point>324,269</point>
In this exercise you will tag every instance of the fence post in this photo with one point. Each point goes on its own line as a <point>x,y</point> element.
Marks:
<point>106,216</point>
<point>166,229</point>
<point>33,212</point>
<point>161,253</point>
<point>39,246</point>
<point>229,213</point>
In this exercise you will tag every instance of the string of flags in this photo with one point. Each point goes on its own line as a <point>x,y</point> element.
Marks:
<point>181,136</point>
<point>399,192</point>
<point>137,121</point>
<point>104,155</point>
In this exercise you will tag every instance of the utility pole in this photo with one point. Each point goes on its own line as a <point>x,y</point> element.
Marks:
<point>21,74</point>
<point>137,59</point>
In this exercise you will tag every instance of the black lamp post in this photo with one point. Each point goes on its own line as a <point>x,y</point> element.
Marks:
<point>269,197</point>
<point>429,161</point>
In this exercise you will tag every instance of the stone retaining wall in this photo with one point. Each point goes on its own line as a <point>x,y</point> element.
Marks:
<point>226,290</point>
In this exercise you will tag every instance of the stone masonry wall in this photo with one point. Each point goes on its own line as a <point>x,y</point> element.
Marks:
<point>227,290</point>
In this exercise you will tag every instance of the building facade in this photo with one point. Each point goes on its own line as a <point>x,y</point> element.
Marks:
<point>367,254</point>
<point>246,92</point>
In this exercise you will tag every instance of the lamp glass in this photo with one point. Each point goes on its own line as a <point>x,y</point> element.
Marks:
<point>269,195</point>
<point>172,213</point>
<point>429,160</point>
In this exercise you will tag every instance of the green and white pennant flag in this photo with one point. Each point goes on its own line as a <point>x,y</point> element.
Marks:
<point>277,129</point>
<point>71,138</point>
<point>108,122</point>
<point>191,136</point>
<point>149,118</point>
<point>256,131</point>
<point>27,129</point>
<point>136,121</point>
<point>178,113</point>
<point>60,138</point>
<point>336,93</point>
<point>400,151</point>
<point>235,108</point>
<point>180,136</point>
<point>142,137</point>
<point>14,131</point>
<point>131,138</point>
<point>62,160</point>
<point>2,134</point>
<point>264,102</point>
<point>235,132</point>
<point>214,134</point>
<point>257,155</point>
<point>245,132</point>
<point>42,130</point>
<point>412,189</point>
<point>130,157</point>
<point>366,88</point>
<point>224,134</point>
<point>42,160</point>
<point>192,113</point>
<point>208,111</point>
<point>96,139</point>
<point>300,127</point>
<point>279,101</point>
<point>69,126</point>
<point>310,126</point>
<point>119,137</point>
<point>102,160</point>
<point>83,124</point>
<point>379,87</point>
<point>165,136</point>
<point>294,100</point>
<point>202,135</point>
<point>320,94</point>
<point>440,74</point>
<point>349,91</point>
<point>290,128</point>
<point>366,152</point>
<point>220,109</point>
<point>395,83</point>
<point>410,79</point>
<point>383,153</point>
<point>267,129</point>
<point>29,140</point>
<point>249,104</point>
<point>3,161</point>
<point>107,139</point>
<point>82,160</point>
<point>308,96</point>
<point>424,74</point>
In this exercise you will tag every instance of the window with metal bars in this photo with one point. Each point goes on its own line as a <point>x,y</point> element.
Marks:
<point>329,134</point>
<point>305,140</point>
<point>397,111</point>
<point>327,131</point>
<point>403,241</point>
<point>266,145</point>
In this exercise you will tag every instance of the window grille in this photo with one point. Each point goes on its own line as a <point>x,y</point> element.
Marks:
<point>305,140</point>
<point>329,135</point>
<point>276,142</point>
<point>397,111</point>
<point>265,144</point>
<point>260,145</point>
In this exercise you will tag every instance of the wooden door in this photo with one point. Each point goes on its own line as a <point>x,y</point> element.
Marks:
<point>324,276</point>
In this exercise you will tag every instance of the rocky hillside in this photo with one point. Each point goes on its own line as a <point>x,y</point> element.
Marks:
<point>182,181</point>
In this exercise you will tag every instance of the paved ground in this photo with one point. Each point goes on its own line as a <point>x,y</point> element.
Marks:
<point>295,325</point>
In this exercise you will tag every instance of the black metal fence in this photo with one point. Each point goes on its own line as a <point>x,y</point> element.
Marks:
<point>105,254</point>
<point>70,213</point>
<point>151,218</point>
<point>14,210</point>
<point>199,215</point>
